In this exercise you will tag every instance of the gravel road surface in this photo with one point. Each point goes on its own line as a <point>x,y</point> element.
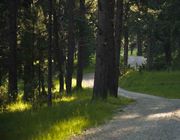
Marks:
<point>149,118</point>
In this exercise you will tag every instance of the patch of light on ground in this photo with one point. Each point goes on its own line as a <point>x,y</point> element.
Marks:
<point>62,129</point>
<point>164,115</point>
<point>18,106</point>
<point>131,116</point>
<point>65,99</point>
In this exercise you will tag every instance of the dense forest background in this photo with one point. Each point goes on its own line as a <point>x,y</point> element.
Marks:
<point>45,40</point>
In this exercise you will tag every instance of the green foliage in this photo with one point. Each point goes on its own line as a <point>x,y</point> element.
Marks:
<point>68,116</point>
<point>91,66</point>
<point>165,84</point>
<point>158,24</point>
<point>3,96</point>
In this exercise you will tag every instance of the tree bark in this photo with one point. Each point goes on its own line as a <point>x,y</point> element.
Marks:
<point>81,45</point>
<point>71,45</point>
<point>50,55</point>
<point>12,89</point>
<point>118,37</point>
<point>58,53</point>
<point>111,46</point>
<point>102,51</point>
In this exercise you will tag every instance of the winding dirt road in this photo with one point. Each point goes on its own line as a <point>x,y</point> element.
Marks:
<point>149,118</point>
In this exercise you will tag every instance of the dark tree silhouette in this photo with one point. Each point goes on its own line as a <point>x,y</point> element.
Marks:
<point>13,9</point>
<point>50,55</point>
<point>111,47</point>
<point>58,50</point>
<point>81,45</point>
<point>105,48</point>
<point>71,45</point>
<point>118,43</point>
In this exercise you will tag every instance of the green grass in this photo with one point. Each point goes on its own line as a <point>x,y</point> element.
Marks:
<point>67,117</point>
<point>165,84</point>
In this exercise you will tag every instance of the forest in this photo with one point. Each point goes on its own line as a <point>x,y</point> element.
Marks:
<point>47,48</point>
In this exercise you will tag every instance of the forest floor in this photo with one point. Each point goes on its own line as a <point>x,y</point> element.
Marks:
<point>68,116</point>
<point>149,118</point>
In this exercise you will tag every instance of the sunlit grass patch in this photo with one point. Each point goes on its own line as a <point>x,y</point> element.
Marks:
<point>63,129</point>
<point>18,106</point>
<point>65,99</point>
<point>66,118</point>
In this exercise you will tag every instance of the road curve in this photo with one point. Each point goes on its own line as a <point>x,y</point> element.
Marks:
<point>149,118</point>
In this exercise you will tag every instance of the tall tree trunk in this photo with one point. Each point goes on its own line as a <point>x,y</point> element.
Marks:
<point>62,53</point>
<point>111,46</point>
<point>50,56</point>
<point>71,45</point>
<point>12,90</point>
<point>102,51</point>
<point>81,45</point>
<point>58,53</point>
<point>118,37</point>
<point>126,35</point>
